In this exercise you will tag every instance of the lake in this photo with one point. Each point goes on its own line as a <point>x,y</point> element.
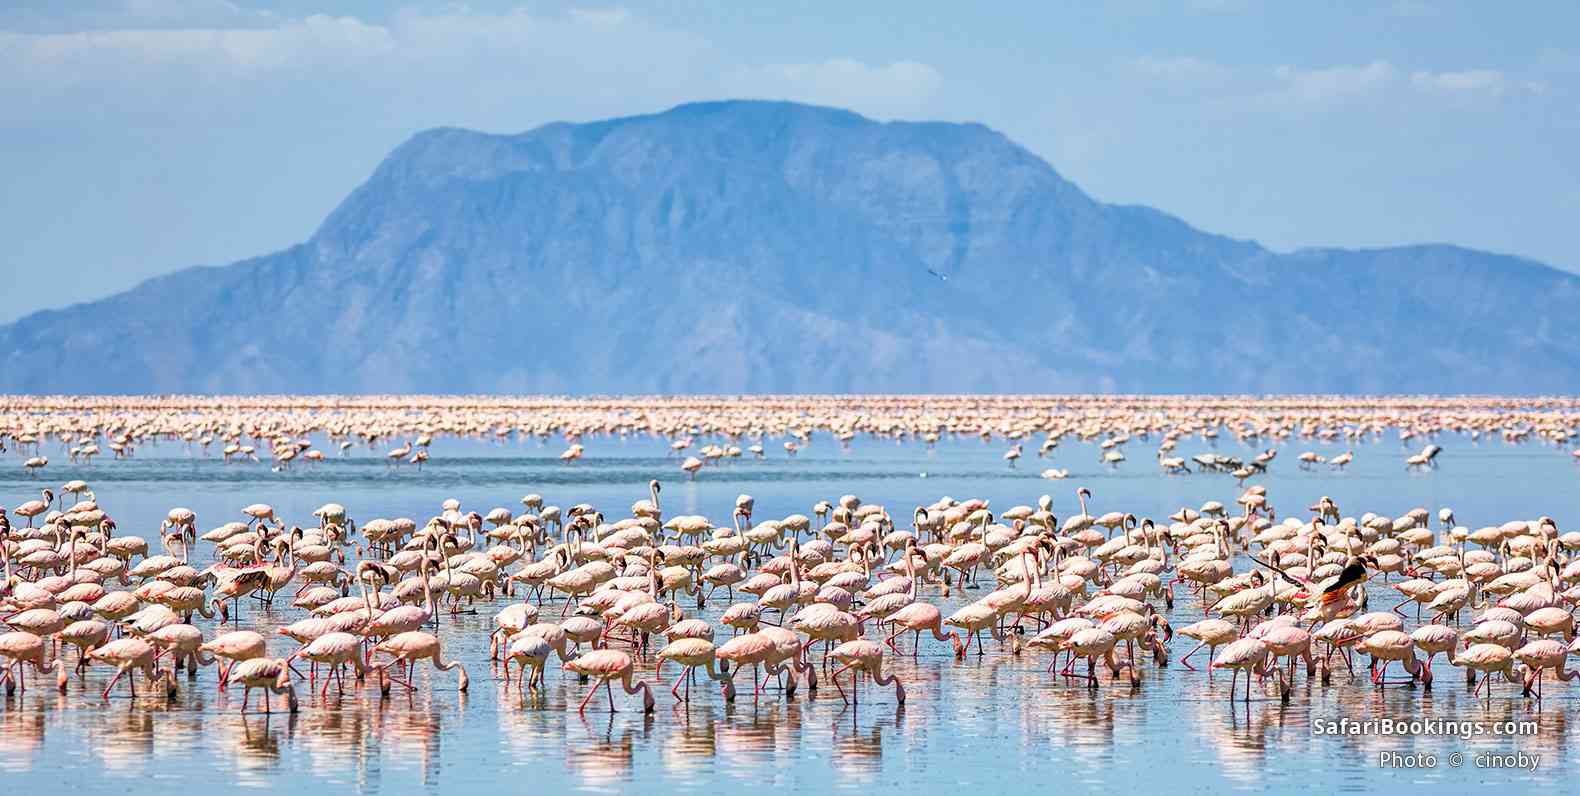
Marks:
<point>995,723</point>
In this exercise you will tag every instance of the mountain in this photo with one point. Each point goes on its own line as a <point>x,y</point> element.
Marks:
<point>774,247</point>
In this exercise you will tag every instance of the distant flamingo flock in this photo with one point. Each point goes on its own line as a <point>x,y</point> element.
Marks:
<point>244,430</point>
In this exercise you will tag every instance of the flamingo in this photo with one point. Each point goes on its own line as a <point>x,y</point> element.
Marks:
<point>754,649</point>
<point>335,649</point>
<point>129,655</point>
<point>20,647</point>
<point>1489,659</point>
<point>1252,656</point>
<point>33,508</point>
<point>864,656</point>
<point>651,507</point>
<point>1394,645</point>
<point>973,619</point>
<point>608,665</point>
<point>273,675</point>
<point>1210,633</point>
<point>84,634</point>
<point>235,646</point>
<point>529,652</point>
<point>693,654</point>
<point>416,645</point>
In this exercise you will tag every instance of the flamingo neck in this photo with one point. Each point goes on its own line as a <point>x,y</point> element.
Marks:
<point>427,588</point>
<point>1563,673</point>
<point>362,583</point>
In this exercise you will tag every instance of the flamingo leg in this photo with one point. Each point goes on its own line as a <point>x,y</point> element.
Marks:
<point>411,674</point>
<point>840,688</point>
<point>582,708</point>
<point>890,641</point>
<point>113,681</point>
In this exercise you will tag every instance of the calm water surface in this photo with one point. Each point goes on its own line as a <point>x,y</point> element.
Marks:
<point>996,722</point>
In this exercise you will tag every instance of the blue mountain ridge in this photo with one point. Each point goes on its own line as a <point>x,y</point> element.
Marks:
<point>752,247</point>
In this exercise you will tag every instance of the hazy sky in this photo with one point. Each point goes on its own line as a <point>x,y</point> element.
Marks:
<point>142,136</point>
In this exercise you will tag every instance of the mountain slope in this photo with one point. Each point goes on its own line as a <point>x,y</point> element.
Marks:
<point>774,247</point>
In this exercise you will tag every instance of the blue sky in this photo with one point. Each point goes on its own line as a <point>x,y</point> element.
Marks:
<point>142,136</point>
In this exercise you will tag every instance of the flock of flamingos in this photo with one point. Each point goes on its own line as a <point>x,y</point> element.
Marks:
<point>749,604</point>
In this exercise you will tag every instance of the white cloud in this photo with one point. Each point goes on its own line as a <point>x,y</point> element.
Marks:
<point>1218,6</point>
<point>1274,88</point>
<point>601,16</point>
<point>1160,7</point>
<point>1287,88</point>
<point>1482,81</point>
<point>1413,9</point>
<point>897,88</point>
<point>143,67</point>
<point>1183,68</point>
<point>456,59</point>
<point>83,15</point>
<point>1335,83</point>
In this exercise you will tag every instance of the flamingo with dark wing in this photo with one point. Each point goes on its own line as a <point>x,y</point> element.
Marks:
<point>1334,596</point>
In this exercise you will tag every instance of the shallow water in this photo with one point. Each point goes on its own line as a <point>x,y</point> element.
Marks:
<point>995,722</point>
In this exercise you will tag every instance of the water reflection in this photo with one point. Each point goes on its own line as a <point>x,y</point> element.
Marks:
<point>257,742</point>
<point>692,744</point>
<point>605,754</point>
<point>23,734</point>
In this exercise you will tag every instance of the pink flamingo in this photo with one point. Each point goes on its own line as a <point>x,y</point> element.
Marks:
<point>129,654</point>
<point>273,675</point>
<point>608,665</point>
<point>234,647</point>
<point>413,646</point>
<point>692,654</point>
<point>21,647</point>
<point>863,656</point>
